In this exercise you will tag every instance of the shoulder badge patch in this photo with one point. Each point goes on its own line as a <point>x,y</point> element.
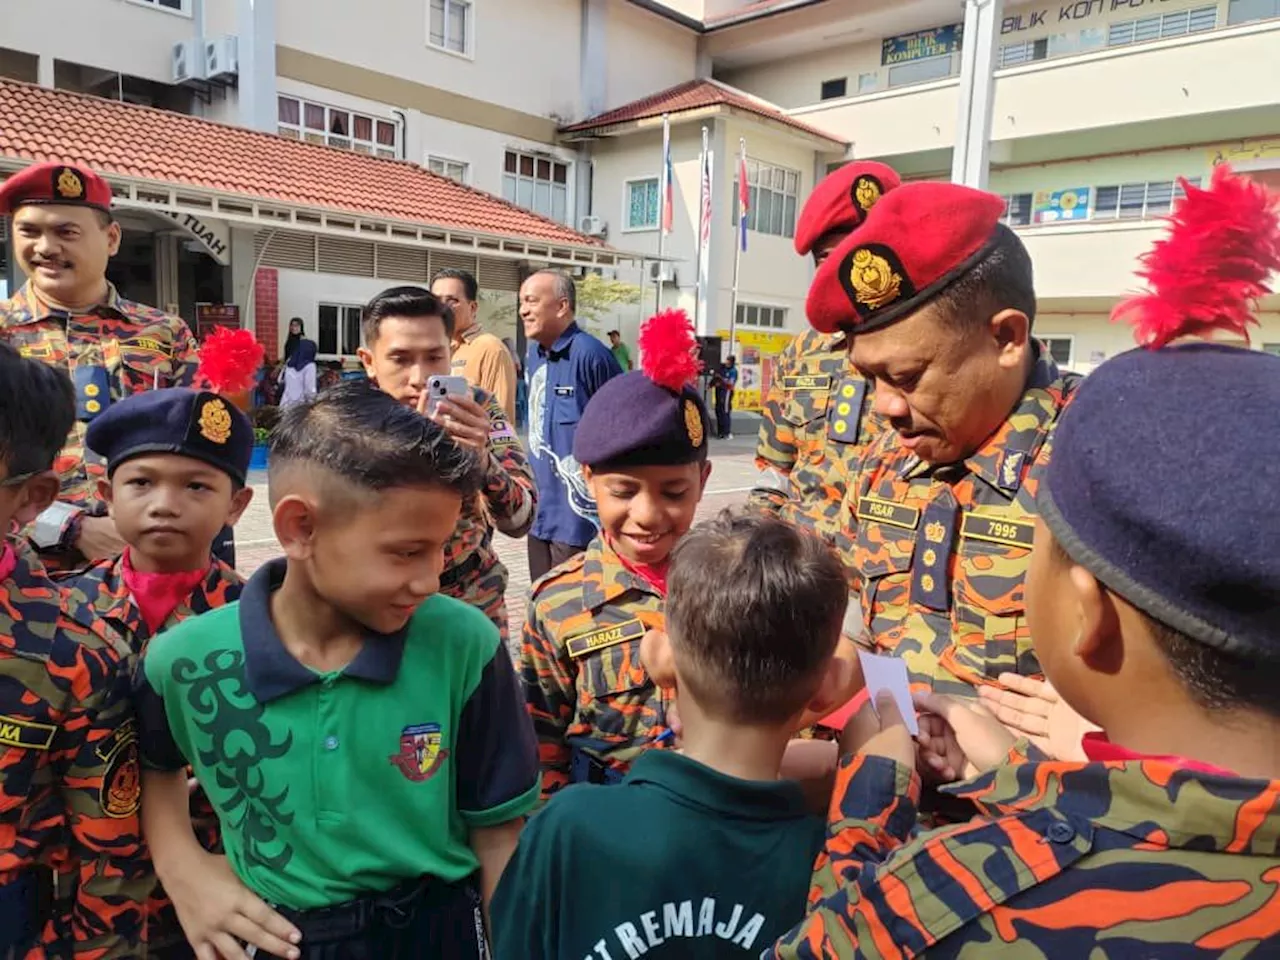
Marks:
<point>693,423</point>
<point>421,752</point>
<point>121,789</point>
<point>215,421</point>
<point>68,184</point>
<point>26,734</point>
<point>875,283</point>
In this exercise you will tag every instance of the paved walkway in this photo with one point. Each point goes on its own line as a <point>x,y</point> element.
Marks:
<point>733,473</point>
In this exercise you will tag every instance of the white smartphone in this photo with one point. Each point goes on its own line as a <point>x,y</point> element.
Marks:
<point>440,387</point>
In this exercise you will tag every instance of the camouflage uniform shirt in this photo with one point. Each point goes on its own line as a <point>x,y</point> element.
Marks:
<point>69,775</point>
<point>940,552</point>
<point>472,571</point>
<point>580,664</point>
<point>817,418</point>
<point>1129,859</point>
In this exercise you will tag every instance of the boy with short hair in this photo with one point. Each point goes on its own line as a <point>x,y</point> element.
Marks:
<point>70,881</point>
<point>753,615</point>
<point>642,441</point>
<point>1155,616</point>
<point>360,735</point>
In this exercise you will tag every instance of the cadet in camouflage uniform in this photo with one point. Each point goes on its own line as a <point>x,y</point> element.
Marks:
<point>817,414</point>
<point>937,520</point>
<point>642,441</point>
<point>407,332</point>
<point>71,882</point>
<point>70,316</point>
<point>1165,841</point>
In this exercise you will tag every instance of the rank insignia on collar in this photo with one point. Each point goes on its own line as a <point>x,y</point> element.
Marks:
<point>935,532</point>
<point>215,421</point>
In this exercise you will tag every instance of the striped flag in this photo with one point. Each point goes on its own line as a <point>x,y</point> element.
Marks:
<point>668,179</point>
<point>744,193</point>
<point>704,236</point>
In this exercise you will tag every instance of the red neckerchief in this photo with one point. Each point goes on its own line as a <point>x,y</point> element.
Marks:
<point>654,575</point>
<point>1098,747</point>
<point>158,594</point>
<point>8,562</point>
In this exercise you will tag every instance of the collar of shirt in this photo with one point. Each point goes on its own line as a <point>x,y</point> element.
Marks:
<point>466,336</point>
<point>158,594</point>
<point>702,786</point>
<point>112,597</point>
<point>27,307</point>
<point>605,577</point>
<point>561,346</point>
<point>271,671</point>
<point>1003,459</point>
<point>654,576</point>
<point>1149,799</point>
<point>1097,747</point>
<point>8,561</point>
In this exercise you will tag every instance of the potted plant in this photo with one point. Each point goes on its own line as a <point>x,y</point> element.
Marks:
<point>258,460</point>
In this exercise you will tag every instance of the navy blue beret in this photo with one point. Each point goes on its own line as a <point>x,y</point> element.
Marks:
<point>192,423</point>
<point>1163,485</point>
<point>633,420</point>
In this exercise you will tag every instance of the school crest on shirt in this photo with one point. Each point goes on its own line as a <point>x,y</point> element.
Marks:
<point>421,753</point>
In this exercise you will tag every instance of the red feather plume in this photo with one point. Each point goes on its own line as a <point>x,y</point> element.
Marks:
<point>1207,272</point>
<point>229,361</point>
<point>669,350</point>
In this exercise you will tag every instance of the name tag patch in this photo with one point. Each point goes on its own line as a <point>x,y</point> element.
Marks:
<point>806,383</point>
<point>603,638</point>
<point>886,511</point>
<point>1009,533</point>
<point>26,734</point>
<point>566,391</point>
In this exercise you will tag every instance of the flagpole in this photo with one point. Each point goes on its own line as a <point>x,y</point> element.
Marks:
<point>737,253</point>
<point>703,200</point>
<point>666,187</point>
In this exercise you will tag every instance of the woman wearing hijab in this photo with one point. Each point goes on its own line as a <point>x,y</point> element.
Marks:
<point>299,374</point>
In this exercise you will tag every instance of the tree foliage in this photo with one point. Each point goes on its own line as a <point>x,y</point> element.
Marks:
<point>598,297</point>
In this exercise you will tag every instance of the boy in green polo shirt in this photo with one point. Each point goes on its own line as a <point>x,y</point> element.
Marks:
<point>362,737</point>
<point>707,847</point>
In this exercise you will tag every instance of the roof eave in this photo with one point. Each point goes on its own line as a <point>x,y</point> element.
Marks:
<point>821,142</point>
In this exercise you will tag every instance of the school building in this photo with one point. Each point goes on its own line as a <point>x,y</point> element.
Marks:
<point>280,158</point>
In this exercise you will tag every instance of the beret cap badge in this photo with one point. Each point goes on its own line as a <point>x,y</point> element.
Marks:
<point>693,423</point>
<point>874,282</point>
<point>69,184</point>
<point>866,191</point>
<point>215,421</point>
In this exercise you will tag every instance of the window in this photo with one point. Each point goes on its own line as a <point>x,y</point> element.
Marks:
<point>753,315</point>
<point>1066,44</point>
<point>772,193</point>
<point>1017,209</point>
<point>540,184</point>
<point>453,169</point>
<point>339,330</point>
<point>177,6</point>
<point>333,127</point>
<point>1271,348</point>
<point>867,82</point>
<point>1244,11</point>
<point>1134,201</point>
<point>1011,54</point>
<point>450,25</point>
<point>1062,349</point>
<point>920,71</point>
<point>643,204</point>
<point>834,89</point>
<point>1159,27</point>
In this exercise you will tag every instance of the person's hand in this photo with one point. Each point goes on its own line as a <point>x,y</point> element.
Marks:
<point>218,913</point>
<point>98,539</point>
<point>879,731</point>
<point>959,740</point>
<point>464,420</point>
<point>1032,708</point>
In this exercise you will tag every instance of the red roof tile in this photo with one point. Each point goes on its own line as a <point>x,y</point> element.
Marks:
<point>694,95</point>
<point>171,148</point>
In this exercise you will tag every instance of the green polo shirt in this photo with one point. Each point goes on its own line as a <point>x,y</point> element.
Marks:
<point>333,786</point>
<point>678,860</point>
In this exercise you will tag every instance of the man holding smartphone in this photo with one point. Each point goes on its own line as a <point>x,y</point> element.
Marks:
<point>407,333</point>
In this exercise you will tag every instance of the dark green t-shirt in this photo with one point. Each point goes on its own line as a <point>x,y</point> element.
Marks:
<point>333,786</point>
<point>676,861</point>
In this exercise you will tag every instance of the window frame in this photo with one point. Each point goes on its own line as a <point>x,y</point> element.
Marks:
<point>1147,212</point>
<point>627,186</point>
<point>1070,338</point>
<point>757,310</point>
<point>469,29</point>
<point>445,161</point>
<point>755,185</point>
<point>343,314</point>
<point>517,178</point>
<point>183,11</point>
<point>302,132</point>
<point>841,83</point>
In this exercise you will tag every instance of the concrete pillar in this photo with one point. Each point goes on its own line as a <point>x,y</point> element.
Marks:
<point>723,234</point>
<point>256,33</point>
<point>166,269</point>
<point>44,71</point>
<point>970,160</point>
<point>593,62</point>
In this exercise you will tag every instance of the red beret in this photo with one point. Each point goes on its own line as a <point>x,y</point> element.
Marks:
<point>55,183</point>
<point>920,239</point>
<point>842,201</point>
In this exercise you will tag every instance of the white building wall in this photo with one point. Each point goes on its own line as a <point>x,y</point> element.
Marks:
<point>645,54</point>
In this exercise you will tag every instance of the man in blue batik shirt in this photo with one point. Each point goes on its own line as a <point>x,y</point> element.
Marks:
<point>566,366</point>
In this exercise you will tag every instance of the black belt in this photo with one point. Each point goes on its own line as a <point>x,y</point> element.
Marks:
<point>394,910</point>
<point>455,575</point>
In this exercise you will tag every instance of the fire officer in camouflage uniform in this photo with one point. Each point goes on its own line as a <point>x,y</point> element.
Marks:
<point>72,878</point>
<point>937,520</point>
<point>407,333</point>
<point>817,414</point>
<point>70,316</point>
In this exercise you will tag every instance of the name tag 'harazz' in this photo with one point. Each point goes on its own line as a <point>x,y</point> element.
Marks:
<point>604,638</point>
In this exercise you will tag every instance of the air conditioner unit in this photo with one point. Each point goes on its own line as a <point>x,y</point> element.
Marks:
<point>593,226</point>
<point>661,272</point>
<point>186,62</point>
<point>221,58</point>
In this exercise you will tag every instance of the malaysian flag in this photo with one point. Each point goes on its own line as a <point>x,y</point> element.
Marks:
<point>704,234</point>
<point>744,193</point>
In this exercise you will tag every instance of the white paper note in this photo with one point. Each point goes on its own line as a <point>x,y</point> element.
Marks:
<point>889,673</point>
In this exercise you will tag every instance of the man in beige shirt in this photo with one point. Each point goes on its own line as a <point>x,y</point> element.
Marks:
<point>480,357</point>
